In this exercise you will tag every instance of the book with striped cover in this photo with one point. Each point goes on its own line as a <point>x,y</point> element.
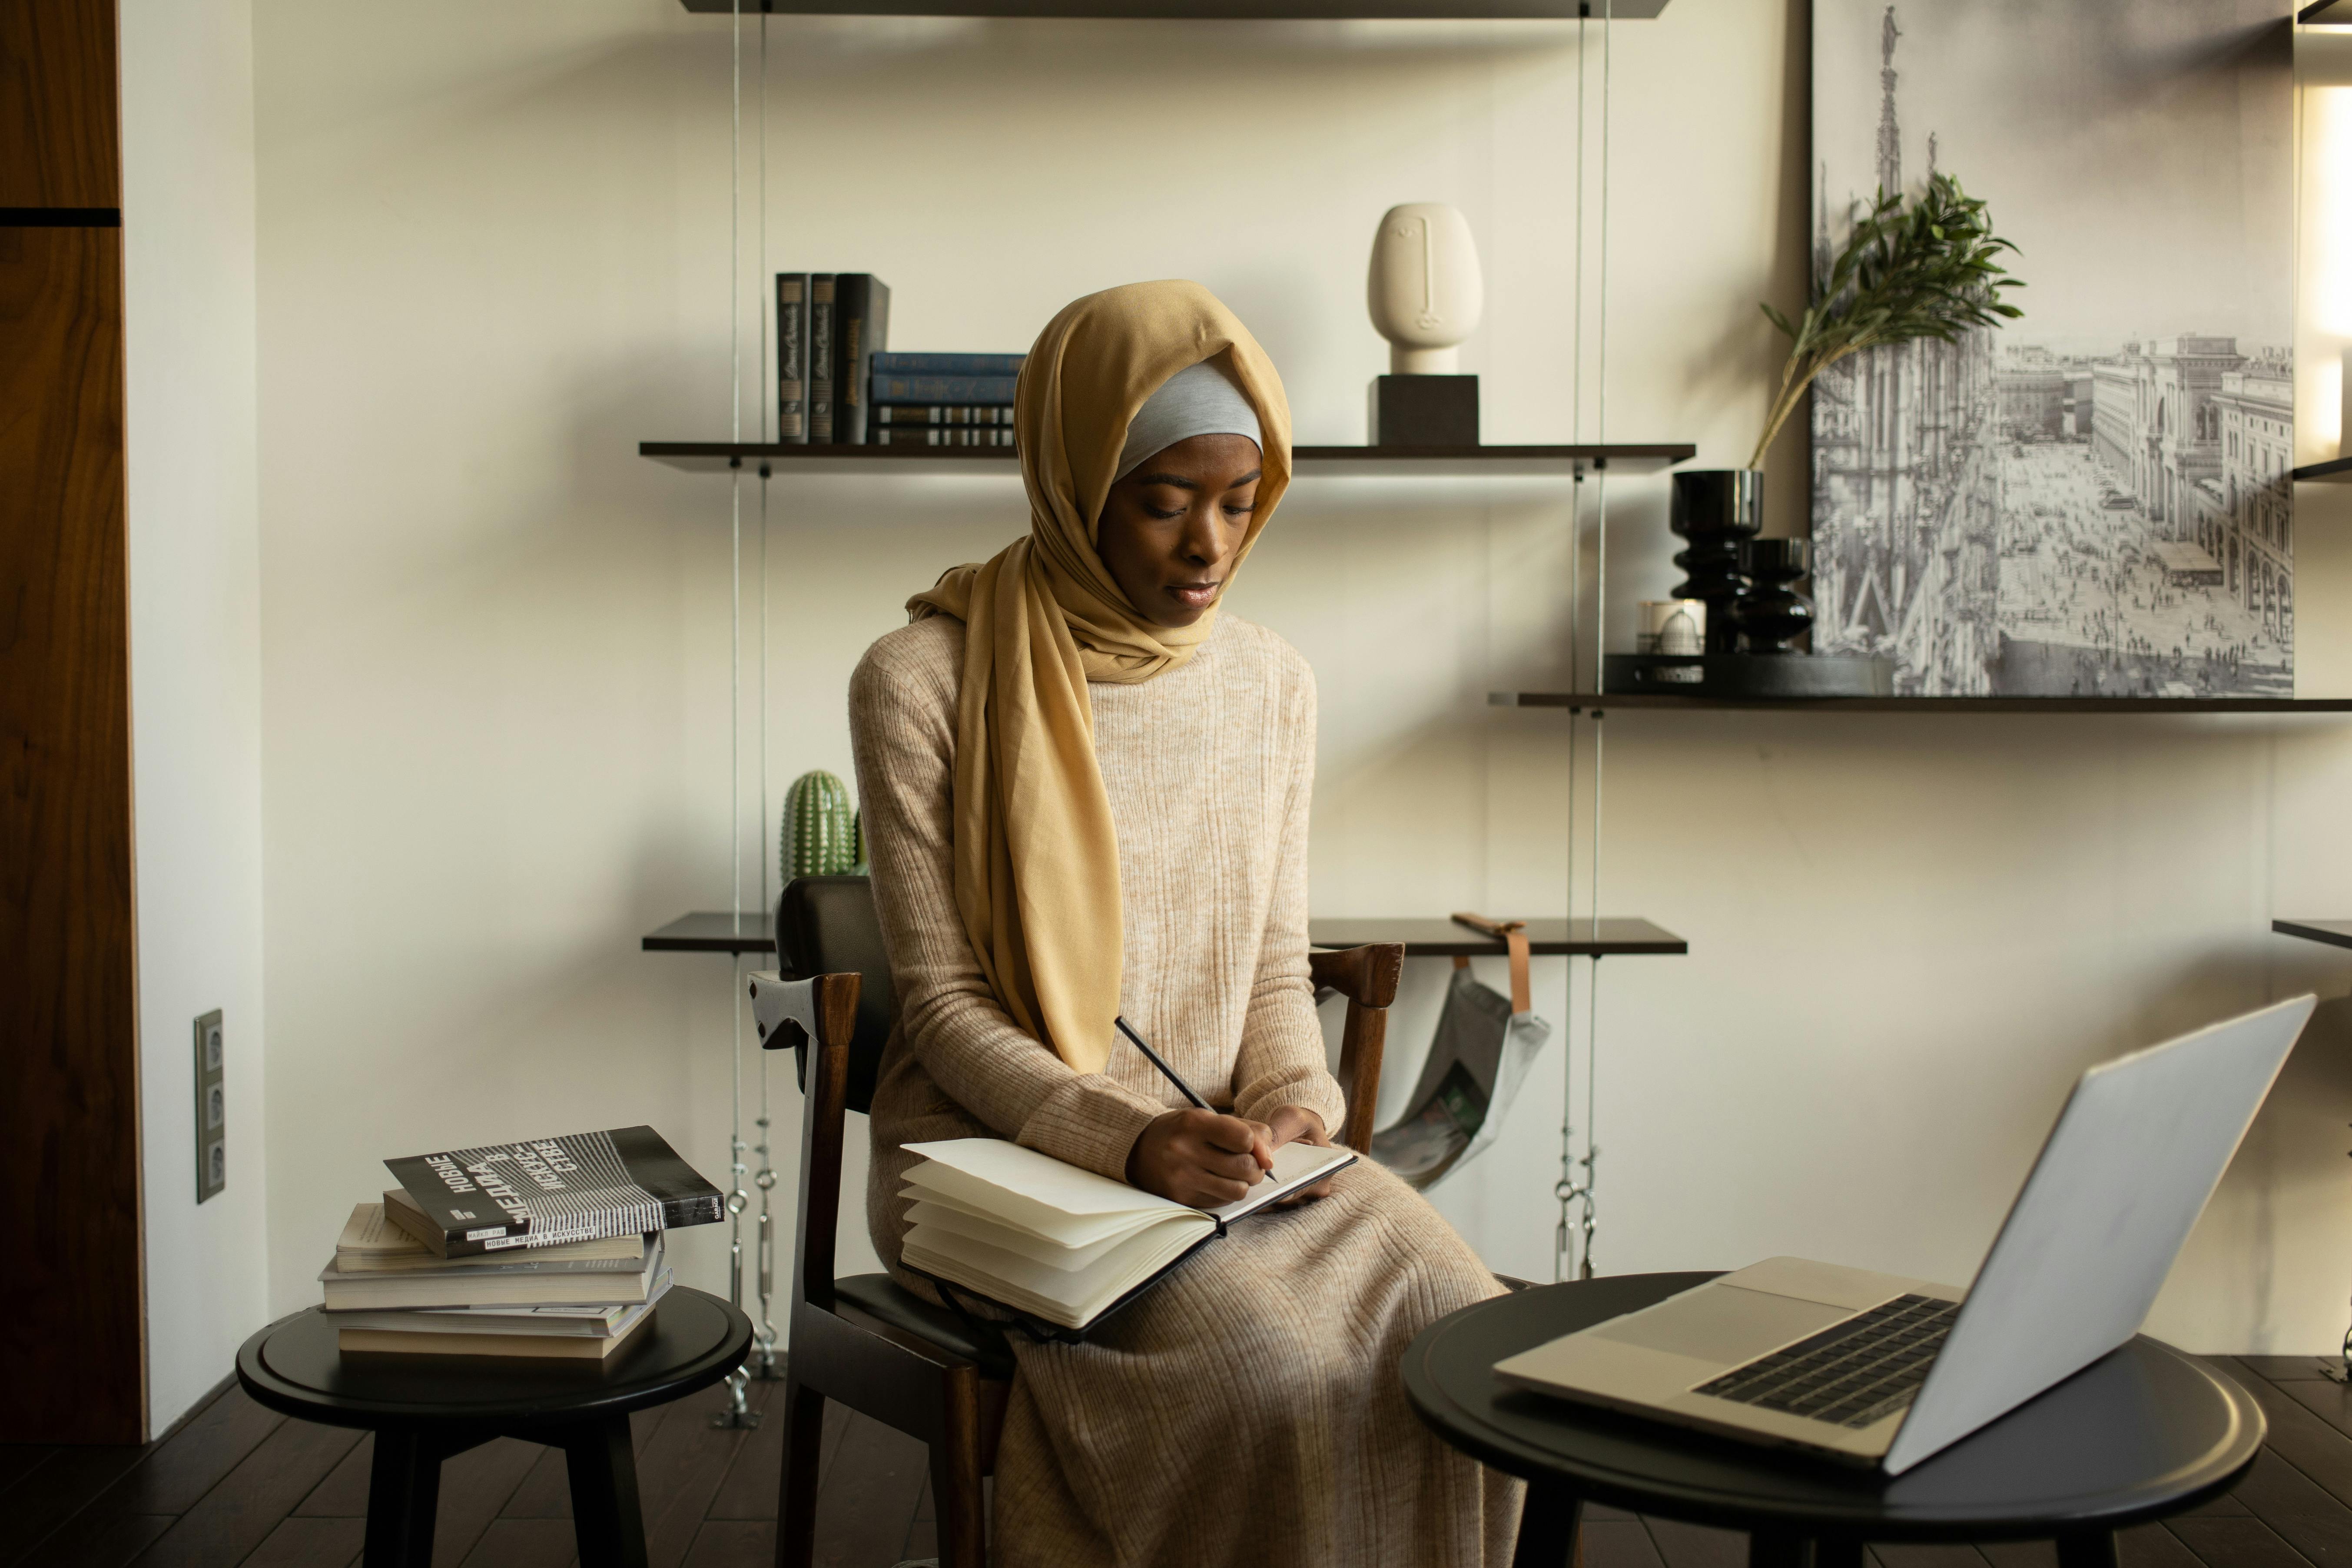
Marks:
<point>947,365</point>
<point>543,1191</point>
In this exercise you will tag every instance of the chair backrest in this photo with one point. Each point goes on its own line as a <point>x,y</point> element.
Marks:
<point>826,925</point>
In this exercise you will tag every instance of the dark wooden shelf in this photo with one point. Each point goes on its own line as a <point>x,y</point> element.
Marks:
<point>1582,701</point>
<point>1206,10</point>
<point>720,457</point>
<point>712,930</point>
<point>718,932</point>
<point>1608,937</point>
<point>2334,933</point>
<point>2337,470</point>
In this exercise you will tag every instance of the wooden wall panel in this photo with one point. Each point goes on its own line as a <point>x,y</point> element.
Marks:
<point>72,1357</point>
<point>60,143</point>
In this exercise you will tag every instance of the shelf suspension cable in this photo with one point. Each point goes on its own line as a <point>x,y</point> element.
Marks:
<point>738,1411</point>
<point>1565,1190</point>
<point>1590,1217</point>
<point>1573,1191</point>
<point>763,1361</point>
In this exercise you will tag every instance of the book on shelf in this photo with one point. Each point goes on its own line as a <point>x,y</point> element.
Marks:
<point>542,1192</point>
<point>382,1238</point>
<point>894,414</point>
<point>792,358</point>
<point>947,365</point>
<point>526,1282</point>
<point>940,436</point>
<point>820,359</point>
<point>600,1320</point>
<point>861,324</point>
<point>928,389</point>
<point>1058,1246</point>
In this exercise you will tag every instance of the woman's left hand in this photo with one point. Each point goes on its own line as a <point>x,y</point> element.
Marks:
<point>1296,1123</point>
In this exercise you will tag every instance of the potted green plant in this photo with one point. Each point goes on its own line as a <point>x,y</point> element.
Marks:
<point>1923,266</point>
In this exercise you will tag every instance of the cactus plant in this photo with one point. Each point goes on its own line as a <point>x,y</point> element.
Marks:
<point>820,835</point>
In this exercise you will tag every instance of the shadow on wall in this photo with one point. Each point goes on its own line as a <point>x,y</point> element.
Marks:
<point>2276,1171</point>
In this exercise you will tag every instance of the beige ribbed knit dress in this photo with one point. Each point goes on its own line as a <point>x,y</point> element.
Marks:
<point>1247,1409</point>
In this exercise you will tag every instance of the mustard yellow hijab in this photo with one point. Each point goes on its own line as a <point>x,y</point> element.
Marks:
<point>1036,858</point>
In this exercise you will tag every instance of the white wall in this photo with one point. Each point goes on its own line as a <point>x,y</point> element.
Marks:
<point>494,256</point>
<point>195,666</point>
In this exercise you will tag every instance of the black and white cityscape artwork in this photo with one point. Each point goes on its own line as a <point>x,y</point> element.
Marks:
<point>2092,501</point>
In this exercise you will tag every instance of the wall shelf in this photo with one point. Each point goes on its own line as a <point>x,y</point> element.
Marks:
<point>2334,933</point>
<point>716,931</point>
<point>1208,10</point>
<point>1608,937</point>
<point>1390,462</point>
<point>1583,702</point>
<point>2335,472</point>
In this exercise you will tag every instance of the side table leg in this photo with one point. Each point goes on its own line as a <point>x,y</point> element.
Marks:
<point>2088,1549</point>
<point>605,1519</point>
<point>404,1494</point>
<point>1778,1548</point>
<point>1837,1551</point>
<point>1547,1527</point>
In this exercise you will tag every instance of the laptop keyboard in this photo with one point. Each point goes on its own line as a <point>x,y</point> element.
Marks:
<point>1851,1374</point>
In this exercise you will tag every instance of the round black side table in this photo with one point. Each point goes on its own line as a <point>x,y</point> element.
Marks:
<point>424,1410</point>
<point>2144,1432</point>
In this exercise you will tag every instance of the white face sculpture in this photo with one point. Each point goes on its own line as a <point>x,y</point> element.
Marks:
<point>1425,293</point>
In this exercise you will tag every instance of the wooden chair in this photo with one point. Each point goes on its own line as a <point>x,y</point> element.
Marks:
<point>881,1349</point>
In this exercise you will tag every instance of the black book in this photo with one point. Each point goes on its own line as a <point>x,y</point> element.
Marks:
<point>792,357</point>
<point>861,324</point>
<point>928,389</point>
<point>821,358</point>
<point>542,1192</point>
<point>893,415</point>
<point>940,436</point>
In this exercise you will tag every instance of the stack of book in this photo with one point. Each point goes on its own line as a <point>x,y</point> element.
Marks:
<point>548,1248</point>
<point>942,400</point>
<point>839,385</point>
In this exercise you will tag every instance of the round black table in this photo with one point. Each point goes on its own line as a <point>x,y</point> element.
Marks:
<point>425,1409</point>
<point>2144,1432</point>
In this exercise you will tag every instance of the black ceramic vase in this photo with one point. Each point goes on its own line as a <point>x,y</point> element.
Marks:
<point>1717,509</point>
<point>1771,614</point>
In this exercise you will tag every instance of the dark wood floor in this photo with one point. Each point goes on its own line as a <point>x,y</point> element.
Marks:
<point>238,1484</point>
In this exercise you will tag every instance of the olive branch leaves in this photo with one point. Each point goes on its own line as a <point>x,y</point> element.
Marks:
<point>1925,268</point>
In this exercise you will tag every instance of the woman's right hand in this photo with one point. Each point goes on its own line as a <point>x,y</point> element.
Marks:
<point>1199,1157</point>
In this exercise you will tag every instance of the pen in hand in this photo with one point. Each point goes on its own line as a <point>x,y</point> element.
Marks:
<point>1264,1160</point>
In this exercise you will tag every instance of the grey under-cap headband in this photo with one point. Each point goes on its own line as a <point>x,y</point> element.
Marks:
<point>1199,400</point>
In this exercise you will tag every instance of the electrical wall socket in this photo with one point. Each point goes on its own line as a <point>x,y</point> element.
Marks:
<point>211,1108</point>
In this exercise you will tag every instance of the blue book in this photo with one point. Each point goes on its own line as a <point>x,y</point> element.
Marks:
<point>942,388</point>
<point>948,364</point>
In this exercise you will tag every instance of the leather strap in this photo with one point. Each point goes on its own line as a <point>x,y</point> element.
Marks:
<point>1514,935</point>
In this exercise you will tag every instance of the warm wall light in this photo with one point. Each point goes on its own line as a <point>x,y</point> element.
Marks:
<point>2328,121</point>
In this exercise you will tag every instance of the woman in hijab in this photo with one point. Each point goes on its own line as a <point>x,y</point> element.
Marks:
<point>1084,791</point>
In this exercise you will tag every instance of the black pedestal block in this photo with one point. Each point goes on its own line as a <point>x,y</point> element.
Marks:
<point>1424,411</point>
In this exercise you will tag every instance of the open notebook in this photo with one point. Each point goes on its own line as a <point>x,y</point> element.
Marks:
<point>1053,1242</point>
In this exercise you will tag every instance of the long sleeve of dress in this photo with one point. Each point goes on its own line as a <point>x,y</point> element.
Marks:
<point>902,704</point>
<point>1282,1059</point>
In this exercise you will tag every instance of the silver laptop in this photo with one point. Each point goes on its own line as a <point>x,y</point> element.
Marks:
<point>1872,1369</point>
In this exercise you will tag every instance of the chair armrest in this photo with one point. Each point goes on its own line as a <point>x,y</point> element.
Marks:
<point>1366,976</point>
